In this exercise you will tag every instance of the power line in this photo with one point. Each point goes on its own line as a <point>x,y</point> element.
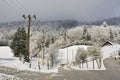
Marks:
<point>5,17</point>
<point>19,7</point>
<point>9,5</point>
<point>29,18</point>
<point>20,4</point>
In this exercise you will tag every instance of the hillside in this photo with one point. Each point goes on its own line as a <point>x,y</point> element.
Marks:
<point>109,21</point>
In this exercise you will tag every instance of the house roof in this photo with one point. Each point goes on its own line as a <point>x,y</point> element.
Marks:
<point>107,43</point>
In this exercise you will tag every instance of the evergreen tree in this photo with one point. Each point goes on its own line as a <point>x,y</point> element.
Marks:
<point>88,36</point>
<point>47,43</point>
<point>18,44</point>
<point>111,35</point>
<point>85,36</point>
<point>84,33</point>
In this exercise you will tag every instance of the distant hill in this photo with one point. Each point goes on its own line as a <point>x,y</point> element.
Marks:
<point>58,24</point>
<point>109,21</point>
<point>40,24</point>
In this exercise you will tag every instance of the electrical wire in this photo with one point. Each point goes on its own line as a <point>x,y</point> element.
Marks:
<point>21,5</point>
<point>2,7</point>
<point>9,5</point>
<point>17,6</point>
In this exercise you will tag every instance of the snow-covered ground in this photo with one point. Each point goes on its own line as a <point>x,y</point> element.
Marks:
<point>5,52</point>
<point>107,51</point>
<point>71,58</point>
<point>7,59</point>
<point>6,77</point>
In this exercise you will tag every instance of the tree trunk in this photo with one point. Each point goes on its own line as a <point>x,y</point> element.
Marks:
<point>30,65</point>
<point>48,64</point>
<point>100,61</point>
<point>51,66</point>
<point>87,64</point>
<point>79,65</point>
<point>82,65</point>
<point>30,62</point>
<point>43,56</point>
<point>39,65</point>
<point>93,64</point>
<point>20,56</point>
<point>97,63</point>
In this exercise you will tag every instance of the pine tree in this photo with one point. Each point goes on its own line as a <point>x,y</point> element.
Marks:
<point>18,44</point>
<point>15,43</point>
<point>88,36</point>
<point>85,36</point>
<point>111,35</point>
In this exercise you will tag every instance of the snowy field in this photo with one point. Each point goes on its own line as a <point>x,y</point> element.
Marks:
<point>7,59</point>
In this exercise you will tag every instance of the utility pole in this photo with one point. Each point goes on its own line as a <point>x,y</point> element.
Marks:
<point>43,47</point>
<point>28,35</point>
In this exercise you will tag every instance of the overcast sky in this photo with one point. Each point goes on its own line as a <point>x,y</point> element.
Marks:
<point>82,10</point>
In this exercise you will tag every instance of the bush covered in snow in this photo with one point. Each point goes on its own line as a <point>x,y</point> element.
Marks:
<point>91,54</point>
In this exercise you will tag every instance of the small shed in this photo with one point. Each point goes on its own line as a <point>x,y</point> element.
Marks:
<point>107,43</point>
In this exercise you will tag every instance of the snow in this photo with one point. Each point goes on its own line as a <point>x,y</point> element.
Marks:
<point>90,66</point>
<point>106,51</point>
<point>110,51</point>
<point>72,50</point>
<point>71,53</point>
<point>6,77</point>
<point>16,64</point>
<point>7,59</point>
<point>5,52</point>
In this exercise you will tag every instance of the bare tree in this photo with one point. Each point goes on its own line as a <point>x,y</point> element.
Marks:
<point>52,55</point>
<point>95,53</point>
<point>81,57</point>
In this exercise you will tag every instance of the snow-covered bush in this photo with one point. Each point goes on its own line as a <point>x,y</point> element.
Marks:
<point>81,56</point>
<point>95,53</point>
<point>52,55</point>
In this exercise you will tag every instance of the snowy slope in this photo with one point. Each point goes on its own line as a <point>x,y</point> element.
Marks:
<point>5,52</point>
<point>7,59</point>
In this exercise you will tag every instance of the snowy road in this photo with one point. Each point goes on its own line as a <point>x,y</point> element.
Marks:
<point>6,77</point>
<point>112,73</point>
<point>21,75</point>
